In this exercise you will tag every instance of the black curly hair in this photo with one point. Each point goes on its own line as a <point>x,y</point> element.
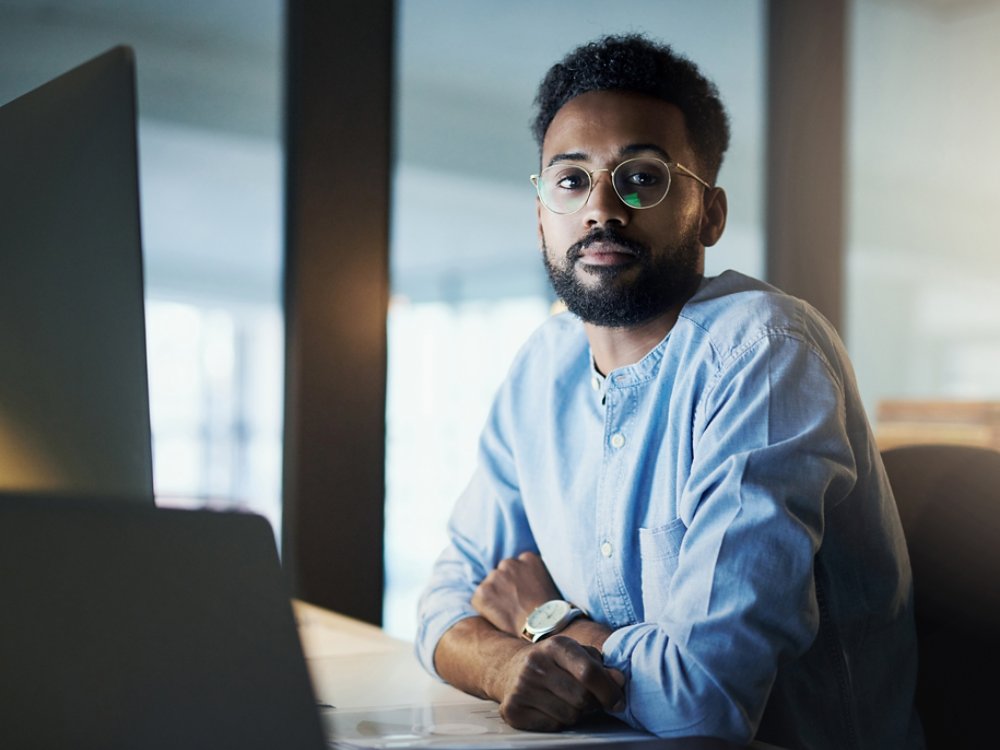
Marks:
<point>632,62</point>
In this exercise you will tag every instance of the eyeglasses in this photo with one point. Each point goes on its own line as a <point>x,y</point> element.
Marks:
<point>642,182</point>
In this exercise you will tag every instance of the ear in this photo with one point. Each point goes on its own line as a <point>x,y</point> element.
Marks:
<point>713,217</point>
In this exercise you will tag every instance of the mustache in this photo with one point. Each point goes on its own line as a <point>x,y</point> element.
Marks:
<point>607,236</point>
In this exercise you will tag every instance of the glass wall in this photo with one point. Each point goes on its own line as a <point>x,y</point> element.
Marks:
<point>468,284</point>
<point>923,285</point>
<point>208,74</point>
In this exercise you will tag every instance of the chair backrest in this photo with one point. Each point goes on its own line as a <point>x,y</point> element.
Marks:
<point>949,504</point>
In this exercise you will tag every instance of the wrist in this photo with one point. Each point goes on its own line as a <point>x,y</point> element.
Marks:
<point>497,675</point>
<point>586,632</point>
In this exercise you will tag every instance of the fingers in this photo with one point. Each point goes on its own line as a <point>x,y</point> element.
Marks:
<point>586,666</point>
<point>544,697</point>
<point>555,683</point>
<point>614,674</point>
<point>524,709</point>
<point>512,590</point>
<point>496,600</point>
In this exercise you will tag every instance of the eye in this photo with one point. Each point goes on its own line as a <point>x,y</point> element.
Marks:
<point>643,178</point>
<point>568,178</point>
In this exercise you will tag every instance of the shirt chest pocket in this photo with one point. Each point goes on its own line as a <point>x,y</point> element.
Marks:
<point>659,549</point>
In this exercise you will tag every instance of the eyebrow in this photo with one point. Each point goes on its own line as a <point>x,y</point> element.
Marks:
<point>568,156</point>
<point>630,150</point>
<point>636,148</point>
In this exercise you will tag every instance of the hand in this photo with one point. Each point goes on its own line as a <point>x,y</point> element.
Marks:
<point>510,592</point>
<point>553,684</point>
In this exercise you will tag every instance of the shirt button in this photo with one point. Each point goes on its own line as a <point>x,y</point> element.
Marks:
<point>595,383</point>
<point>607,549</point>
<point>617,440</point>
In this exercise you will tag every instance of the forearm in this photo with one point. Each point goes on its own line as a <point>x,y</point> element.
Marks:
<point>543,686</point>
<point>471,653</point>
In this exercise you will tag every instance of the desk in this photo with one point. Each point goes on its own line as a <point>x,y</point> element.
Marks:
<point>357,666</point>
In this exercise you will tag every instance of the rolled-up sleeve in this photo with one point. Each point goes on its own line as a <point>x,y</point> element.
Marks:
<point>487,525</point>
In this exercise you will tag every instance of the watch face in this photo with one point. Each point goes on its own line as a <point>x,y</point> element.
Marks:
<point>547,615</point>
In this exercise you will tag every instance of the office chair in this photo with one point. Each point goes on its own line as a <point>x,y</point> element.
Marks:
<point>949,504</point>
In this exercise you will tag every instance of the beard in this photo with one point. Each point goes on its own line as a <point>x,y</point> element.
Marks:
<point>659,281</point>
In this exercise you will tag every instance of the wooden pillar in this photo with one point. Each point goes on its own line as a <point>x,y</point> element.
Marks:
<point>338,101</point>
<point>806,154</point>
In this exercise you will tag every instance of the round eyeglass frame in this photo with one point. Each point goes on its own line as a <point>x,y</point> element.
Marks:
<point>668,165</point>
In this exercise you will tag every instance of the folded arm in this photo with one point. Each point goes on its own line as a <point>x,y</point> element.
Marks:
<point>541,686</point>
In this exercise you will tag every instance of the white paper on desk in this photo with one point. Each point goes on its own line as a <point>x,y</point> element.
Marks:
<point>465,725</point>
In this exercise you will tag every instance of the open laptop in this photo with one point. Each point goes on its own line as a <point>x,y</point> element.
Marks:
<point>74,404</point>
<point>142,628</point>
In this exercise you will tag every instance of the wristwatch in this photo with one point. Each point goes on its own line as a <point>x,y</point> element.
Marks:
<point>549,618</point>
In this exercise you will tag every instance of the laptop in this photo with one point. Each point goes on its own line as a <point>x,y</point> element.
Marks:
<point>132,627</point>
<point>74,404</point>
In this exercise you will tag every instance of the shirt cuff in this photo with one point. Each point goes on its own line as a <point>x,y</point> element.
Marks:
<point>618,647</point>
<point>431,631</point>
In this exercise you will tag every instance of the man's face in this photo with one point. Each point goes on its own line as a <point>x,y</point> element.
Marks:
<point>611,264</point>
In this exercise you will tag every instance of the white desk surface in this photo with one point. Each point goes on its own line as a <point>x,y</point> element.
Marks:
<point>356,665</point>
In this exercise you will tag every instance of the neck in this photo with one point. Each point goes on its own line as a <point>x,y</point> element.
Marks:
<point>618,347</point>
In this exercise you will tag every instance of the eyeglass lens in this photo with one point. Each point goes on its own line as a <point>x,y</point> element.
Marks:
<point>640,183</point>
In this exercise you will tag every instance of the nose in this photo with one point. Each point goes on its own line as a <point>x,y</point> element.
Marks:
<point>604,205</point>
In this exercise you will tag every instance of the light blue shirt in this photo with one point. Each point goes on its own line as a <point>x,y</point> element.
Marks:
<point>722,507</point>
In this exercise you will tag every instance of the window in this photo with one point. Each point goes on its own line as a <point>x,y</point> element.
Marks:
<point>923,276</point>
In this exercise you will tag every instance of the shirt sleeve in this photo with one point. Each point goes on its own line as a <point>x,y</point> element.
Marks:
<point>770,454</point>
<point>487,525</point>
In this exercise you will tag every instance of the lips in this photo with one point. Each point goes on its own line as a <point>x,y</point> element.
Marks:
<point>606,254</point>
<point>606,247</point>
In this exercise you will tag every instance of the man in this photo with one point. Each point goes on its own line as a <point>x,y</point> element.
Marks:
<point>679,469</point>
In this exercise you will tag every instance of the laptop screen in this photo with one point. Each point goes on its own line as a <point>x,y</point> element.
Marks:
<point>74,403</point>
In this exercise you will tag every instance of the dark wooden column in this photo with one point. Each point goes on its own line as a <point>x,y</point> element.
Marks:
<point>339,64</point>
<point>806,154</point>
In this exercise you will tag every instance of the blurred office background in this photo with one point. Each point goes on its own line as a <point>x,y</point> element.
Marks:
<point>922,283</point>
